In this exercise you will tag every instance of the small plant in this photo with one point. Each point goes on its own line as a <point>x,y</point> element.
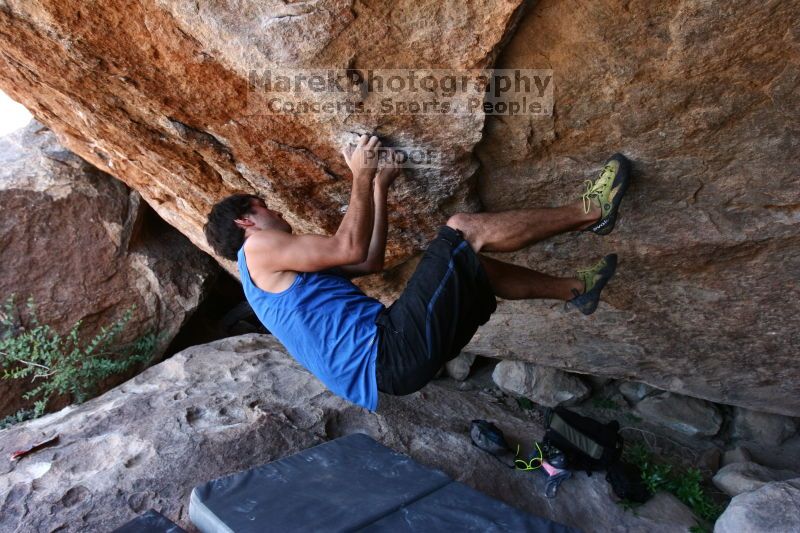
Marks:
<point>686,485</point>
<point>20,416</point>
<point>525,403</point>
<point>605,403</point>
<point>62,364</point>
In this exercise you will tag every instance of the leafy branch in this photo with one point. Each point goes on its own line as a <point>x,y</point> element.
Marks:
<point>62,364</point>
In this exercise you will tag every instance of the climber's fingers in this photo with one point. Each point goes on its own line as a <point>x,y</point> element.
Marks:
<point>347,152</point>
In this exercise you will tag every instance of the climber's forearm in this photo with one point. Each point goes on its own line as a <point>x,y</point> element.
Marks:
<point>355,230</point>
<point>377,245</point>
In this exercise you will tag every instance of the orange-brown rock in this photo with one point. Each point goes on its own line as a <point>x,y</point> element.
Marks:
<point>156,92</point>
<point>85,247</point>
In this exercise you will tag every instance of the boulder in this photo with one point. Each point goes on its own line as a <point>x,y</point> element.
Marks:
<point>762,428</point>
<point>737,478</point>
<point>170,100</point>
<point>543,385</point>
<point>772,508</point>
<point>688,416</point>
<point>664,506</point>
<point>459,367</point>
<point>635,392</point>
<point>85,247</point>
<point>739,454</point>
<point>240,402</point>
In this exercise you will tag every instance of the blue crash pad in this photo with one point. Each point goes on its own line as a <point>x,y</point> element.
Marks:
<point>352,484</point>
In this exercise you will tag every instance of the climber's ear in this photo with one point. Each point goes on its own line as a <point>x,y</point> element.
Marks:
<point>243,223</point>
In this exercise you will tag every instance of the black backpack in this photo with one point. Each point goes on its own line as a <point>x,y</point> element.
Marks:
<point>587,444</point>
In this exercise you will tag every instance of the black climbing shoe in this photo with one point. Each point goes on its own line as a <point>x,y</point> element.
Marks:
<point>489,438</point>
<point>607,190</point>
<point>594,279</point>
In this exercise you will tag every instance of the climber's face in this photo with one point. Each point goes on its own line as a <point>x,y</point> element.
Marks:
<point>262,217</point>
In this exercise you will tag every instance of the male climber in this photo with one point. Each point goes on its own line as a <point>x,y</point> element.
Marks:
<point>299,285</point>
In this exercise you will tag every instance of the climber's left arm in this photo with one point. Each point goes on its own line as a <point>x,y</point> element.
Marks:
<point>377,244</point>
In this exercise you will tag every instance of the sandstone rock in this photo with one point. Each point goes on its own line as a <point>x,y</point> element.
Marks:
<point>663,506</point>
<point>740,454</point>
<point>689,416</point>
<point>703,100</point>
<point>762,428</point>
<point>87,248</point>
<point>737,478</point>
<point>175,115</point>
<point>635,392</point>
<point>240,402</point>
<point>459,367</point>
<point>541,384</point>
<point>774,507</point>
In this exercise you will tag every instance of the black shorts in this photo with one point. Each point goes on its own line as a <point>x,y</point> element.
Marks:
<point>437,314</point>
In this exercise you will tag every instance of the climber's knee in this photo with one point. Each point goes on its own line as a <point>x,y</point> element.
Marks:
<point>466,224</point>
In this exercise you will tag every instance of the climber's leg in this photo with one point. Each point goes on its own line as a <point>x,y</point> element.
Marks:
<point>508,231</point>
<point>514,282</point>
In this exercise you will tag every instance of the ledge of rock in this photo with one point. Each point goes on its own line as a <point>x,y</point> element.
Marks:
<point>236,403</point>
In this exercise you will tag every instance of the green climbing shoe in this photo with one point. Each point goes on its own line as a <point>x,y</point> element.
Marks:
<point>594,279</point>
<point>608,190</point>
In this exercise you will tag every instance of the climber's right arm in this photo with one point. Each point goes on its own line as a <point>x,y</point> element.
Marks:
<point>278,251</point>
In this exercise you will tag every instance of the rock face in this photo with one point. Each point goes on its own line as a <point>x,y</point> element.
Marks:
<point>85,247</point>
<point>701,98</point>
<point>692,417</point>
<point>240,402</point>
<point>737,478</point>
<point>773,507</point>
<point>704,102</point>
<point>545,386</point>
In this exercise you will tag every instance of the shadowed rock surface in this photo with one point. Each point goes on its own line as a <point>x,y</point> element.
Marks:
<point>702,99</point>
<point>240,402</point>
<point>86,247</point>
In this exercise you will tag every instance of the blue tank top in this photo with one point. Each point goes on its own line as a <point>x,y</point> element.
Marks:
<point>328,325</point>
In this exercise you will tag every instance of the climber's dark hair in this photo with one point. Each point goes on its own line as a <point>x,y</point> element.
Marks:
<point>222,233</point>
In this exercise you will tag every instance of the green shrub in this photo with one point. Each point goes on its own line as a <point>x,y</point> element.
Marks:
<point>62,364</point>
<point>686,485</point>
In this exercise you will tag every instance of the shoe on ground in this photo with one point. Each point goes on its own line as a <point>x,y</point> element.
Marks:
<point>607,190</point>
